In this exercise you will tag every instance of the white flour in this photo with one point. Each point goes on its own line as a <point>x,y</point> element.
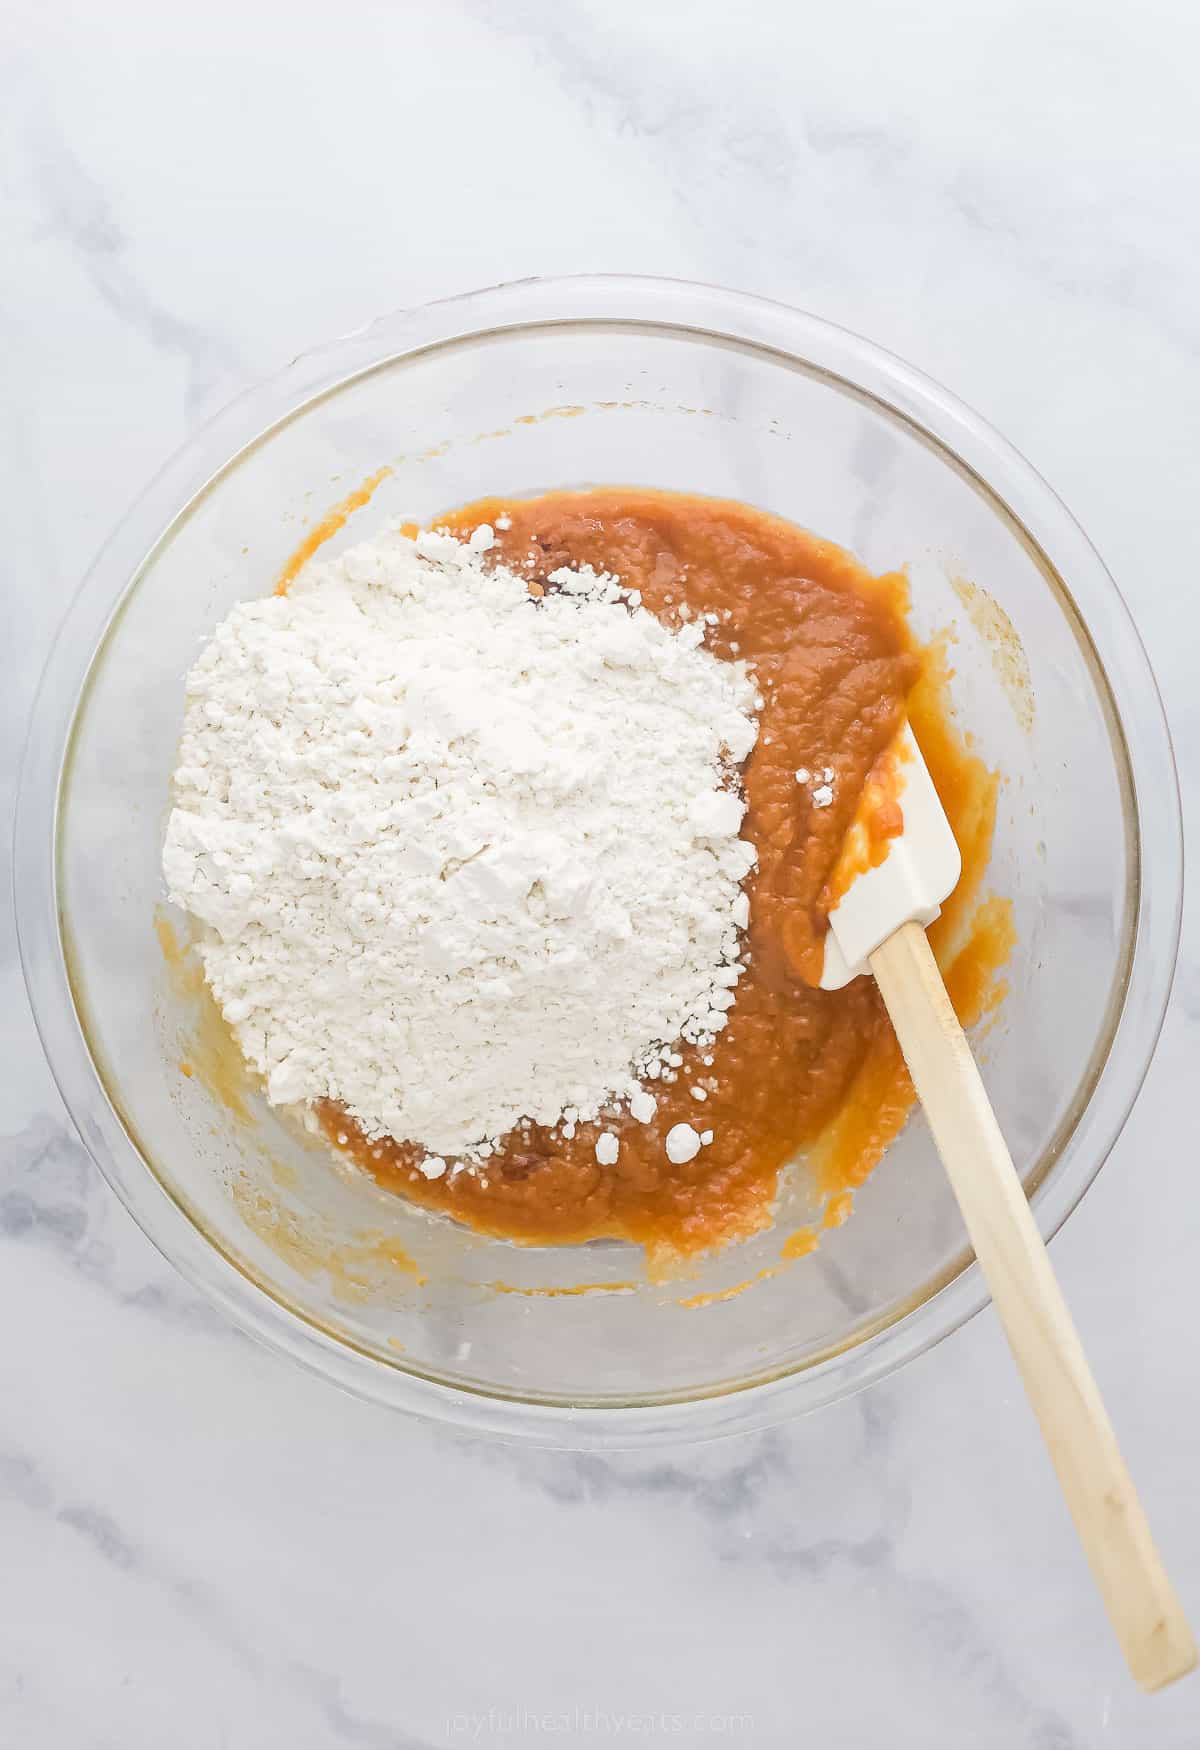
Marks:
<point>466,858</point>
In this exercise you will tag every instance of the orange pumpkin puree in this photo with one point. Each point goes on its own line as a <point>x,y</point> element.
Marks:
<point>796,1067</point>
<point>330,524</point>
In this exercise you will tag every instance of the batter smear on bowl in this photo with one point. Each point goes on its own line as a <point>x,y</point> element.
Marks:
<point>514,844</point>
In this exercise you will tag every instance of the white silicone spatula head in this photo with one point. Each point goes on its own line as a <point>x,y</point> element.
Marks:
<point>920,869</point>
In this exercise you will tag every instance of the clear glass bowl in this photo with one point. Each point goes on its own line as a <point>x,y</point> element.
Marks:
<point>517,390</point>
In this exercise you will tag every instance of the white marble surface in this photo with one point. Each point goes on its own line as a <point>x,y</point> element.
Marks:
<point>203,1547</point>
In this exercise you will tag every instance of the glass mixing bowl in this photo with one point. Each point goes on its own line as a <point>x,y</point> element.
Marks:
<point>513,391</point>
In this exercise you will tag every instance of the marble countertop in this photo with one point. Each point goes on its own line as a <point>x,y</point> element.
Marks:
<point>204,1547</point>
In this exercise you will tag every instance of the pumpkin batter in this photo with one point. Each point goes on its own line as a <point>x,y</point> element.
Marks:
<point>796,1067</point>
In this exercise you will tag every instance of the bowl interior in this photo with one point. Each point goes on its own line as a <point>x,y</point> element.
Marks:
<point>522,410</point>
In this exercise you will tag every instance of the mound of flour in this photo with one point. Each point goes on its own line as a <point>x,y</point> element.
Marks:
<point>466,857</point>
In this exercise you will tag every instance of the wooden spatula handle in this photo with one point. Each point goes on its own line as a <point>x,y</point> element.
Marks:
<point>1141,1601</point>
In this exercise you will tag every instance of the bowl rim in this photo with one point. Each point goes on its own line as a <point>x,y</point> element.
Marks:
<point>1035,514</point>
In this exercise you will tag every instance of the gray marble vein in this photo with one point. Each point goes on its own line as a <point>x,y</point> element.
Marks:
<point>74,209</point>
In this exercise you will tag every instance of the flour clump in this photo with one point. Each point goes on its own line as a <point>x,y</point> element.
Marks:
<point>464,856</point>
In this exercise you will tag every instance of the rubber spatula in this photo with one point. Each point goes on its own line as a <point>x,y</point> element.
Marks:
<point>879,927</point>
